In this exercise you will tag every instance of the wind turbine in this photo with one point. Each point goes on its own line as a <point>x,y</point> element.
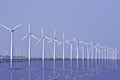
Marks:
<point>92,55</point>
<point>83,53</point>
<point>11,40</point>
<point>108,52</point>
<point>71,49</point>
<point>96,51</point>
<point>29,35</point>
<point>98,46</point>
<point>115,57</point>
<point>87,45</point>
<point>99,53</point>
<point>43,37</point>
<point>63,47</point>
<point>105,54</point>
<point>105,51</point>
<point>88,53</point>
<point>115,53</point>
<point>54,40</point>
<point>82,49</point>
<point>77,49</point>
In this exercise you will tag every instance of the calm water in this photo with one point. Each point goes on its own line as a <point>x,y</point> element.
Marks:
<point>81,70</point>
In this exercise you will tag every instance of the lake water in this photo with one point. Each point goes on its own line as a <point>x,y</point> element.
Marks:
<point>75,70</point>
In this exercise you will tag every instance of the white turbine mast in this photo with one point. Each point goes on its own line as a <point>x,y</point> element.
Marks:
<point>87,45</point>
<point>77,49</point>
<point>99,52</point>
<point>43,37</point>
<point>54,40</point>
<point>11,40</point>
<point>82,50</point>
<point>115,53</point>
<point>105,51</point>
<point>96,52</point>
<point>92,50</point>
<point>108,52</point>
<point>71,49</point>
<point>63,47</point>
<point>29,35</point>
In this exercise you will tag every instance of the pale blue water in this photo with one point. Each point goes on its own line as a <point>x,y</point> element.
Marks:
<point>86,70</point>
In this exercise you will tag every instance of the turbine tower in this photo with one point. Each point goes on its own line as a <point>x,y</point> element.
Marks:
<point>87,45</point>
<point>82,50</point>
<point>108,52</point>
<point>92,51</point>
<point>77,50</point>
<point>63,47</point>
<point>71,49</point>
<point>99,52</point>
<point>115,53</point>
<point>29,35</point>
<point>54,40</point>
<point>96,52</point>
<point>105,52</point>
<point>11,40</point>
<point>43,37</point>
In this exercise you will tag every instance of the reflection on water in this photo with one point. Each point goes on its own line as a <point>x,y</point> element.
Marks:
<point>80,70</point>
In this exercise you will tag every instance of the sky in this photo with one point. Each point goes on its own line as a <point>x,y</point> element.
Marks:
<point>96,20</point>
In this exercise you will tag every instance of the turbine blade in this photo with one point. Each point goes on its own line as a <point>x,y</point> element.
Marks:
<point>68,41</point>
<point>34,37</point>
<point>74,39</point>
<point>16,26</point>
<point>51,40</point>
<point>63,36</point>
<point>5,27</point>
<point>57,41</point>
<point>54,33</point>
<point>48,38</point>
<point>60,43</point>
<point>81,42</point>
<point>24,37</point>
<point>38,41</point>
<point>29,28</point>
<point>42,30</point>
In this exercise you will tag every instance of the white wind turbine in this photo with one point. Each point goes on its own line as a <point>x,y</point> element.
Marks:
<point>105,52</point>
<point>71,50</point>
<point>88,53</point>
<point>82,50</point>
<point>115,53</point>
<point>54,40</point>
<point>102,52</point>
<point>29,35</point>
<point>108,52</point>
<point>99,51</point>
<point>112,52</point>
<point>96,51</point>
<point>11,40</point>
<point>63,47</point>
<point>82,53</point>
<point>115,57</point>
<point>43,37</point>
<point>96,56</point>
<point>77,49</point>
<point>92,50</point>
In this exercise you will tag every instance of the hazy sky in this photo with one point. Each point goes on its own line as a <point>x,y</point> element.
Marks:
<point>96,20</point>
